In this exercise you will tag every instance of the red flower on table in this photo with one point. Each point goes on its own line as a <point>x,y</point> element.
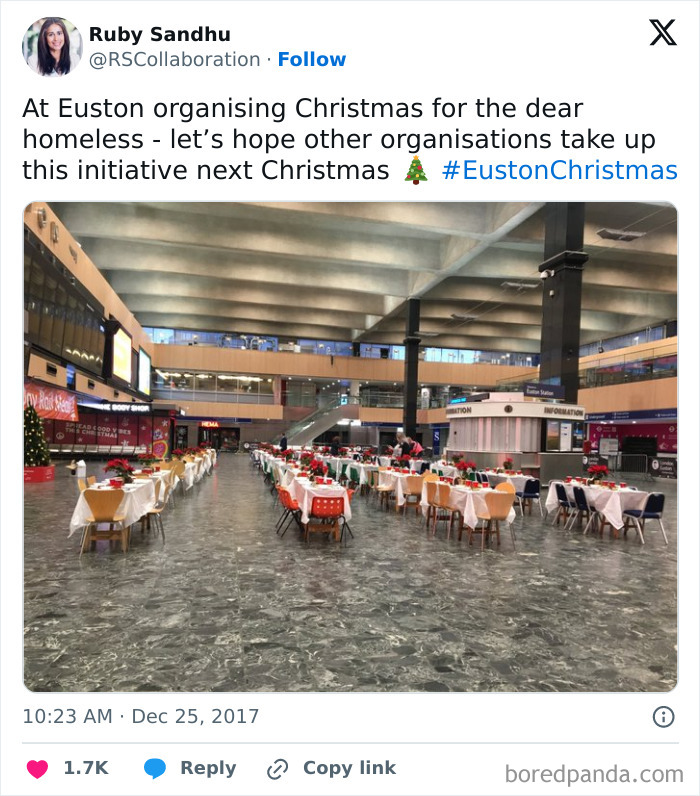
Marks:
<point>598,469</point>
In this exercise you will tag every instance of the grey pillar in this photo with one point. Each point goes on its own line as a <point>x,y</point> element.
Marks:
<point>410,377</point>
<point>561,299</point>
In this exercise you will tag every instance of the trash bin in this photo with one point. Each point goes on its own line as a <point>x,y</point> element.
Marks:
<point>81,469</point>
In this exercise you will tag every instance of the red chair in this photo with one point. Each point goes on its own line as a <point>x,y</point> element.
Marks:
<point>328,512</point>
<point>290,510</point>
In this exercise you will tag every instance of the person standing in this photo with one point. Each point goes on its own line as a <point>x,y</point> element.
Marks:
<point>283,442</point>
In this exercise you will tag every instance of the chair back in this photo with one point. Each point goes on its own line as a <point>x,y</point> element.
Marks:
<point>428,475</point>
<point>327,507</point>
<point>655,503</point>
<point>431,489</point>
<point>354,475</point>
<point>82,485</point>
<point>103,503</point>
<point>482,478</point>
<point>178,469</point>
<point>499,504</point>
<point>156,489</point>
<point>285,497</point>
<point>561,493</point>
<point>532,488</point>
<point>443,492</point>
<point>91,480</point>
<point>580,499</point>
<point>414,485</point>
<point>505,486</point>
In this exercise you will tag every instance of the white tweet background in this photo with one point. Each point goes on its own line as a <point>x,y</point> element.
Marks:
<point>592,52</point>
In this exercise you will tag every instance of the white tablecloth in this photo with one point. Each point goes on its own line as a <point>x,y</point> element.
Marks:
<point>470,502</point>
<point>445,469</point>
<point>303,491</point>
<point>397,481</point>
<point>188,475</point>
<point>139,498</point>
<point>608,502</point>
<point>518,481</point>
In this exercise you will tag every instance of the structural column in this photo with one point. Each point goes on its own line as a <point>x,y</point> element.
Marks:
<point>562,272</point>
<point>410,377</point>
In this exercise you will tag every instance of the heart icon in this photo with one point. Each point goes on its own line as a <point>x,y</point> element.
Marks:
<point>37,768</point>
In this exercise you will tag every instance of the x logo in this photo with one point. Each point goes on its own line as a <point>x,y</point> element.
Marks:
<point>663,31</point>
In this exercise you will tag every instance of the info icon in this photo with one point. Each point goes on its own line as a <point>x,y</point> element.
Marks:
<point>663,717</point>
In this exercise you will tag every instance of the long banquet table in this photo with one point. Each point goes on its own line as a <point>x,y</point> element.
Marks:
<point>469,502</point>
<point>304,491</point>
<point>139,498</point>
<point>610,503</point>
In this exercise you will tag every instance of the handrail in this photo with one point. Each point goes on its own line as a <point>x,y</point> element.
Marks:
<point>313,417</point>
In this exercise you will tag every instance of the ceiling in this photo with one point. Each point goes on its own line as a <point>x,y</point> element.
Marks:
<point>340,271</point>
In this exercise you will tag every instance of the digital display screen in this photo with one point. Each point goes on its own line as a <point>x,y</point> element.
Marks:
<point>121,355</point>
<point>144,382</point>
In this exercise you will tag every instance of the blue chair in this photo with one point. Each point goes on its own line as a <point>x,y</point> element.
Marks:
<point>583,509</point>
<point>653,510</point>
<point>565,505</point>
<point>530,493</point>
<point>482,477</point>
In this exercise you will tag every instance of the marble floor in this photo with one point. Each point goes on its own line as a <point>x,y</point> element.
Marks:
<point>227,605</point>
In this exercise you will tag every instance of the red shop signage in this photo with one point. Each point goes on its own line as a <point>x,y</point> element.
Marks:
<point>50,402</point>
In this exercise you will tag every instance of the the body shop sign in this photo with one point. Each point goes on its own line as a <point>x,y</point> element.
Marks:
<point>50,402</point>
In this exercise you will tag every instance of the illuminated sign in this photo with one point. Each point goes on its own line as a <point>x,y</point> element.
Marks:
<point>121,355</point>
<point>209,424</point>
<point>144,382</point>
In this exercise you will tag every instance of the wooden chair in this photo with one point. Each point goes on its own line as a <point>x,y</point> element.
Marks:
<point>442,504</point>
<point>178,471</point>
<point>92,480</point>
<point>104,504</point>
<point>498,506</point>
<point>505,486</point>
<point>413,489</point>
<point>328,512</point>
<point>385,492</point>
<point>431,494</point>
<point>82,486</point>
<point>156,512</point>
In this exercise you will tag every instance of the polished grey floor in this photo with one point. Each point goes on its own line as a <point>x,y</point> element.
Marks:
<point>227,605</point>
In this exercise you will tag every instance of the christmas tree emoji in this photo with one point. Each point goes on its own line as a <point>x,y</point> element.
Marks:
<point>415,172</point>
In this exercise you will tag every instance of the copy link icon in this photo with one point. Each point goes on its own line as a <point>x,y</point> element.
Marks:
<point>278,768</point>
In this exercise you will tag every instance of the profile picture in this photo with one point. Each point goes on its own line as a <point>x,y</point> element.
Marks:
<point>52,47</point>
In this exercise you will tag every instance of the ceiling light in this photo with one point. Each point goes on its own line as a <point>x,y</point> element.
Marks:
<point>457,317</point>
<point>626,235</point>
<point>420,333</point>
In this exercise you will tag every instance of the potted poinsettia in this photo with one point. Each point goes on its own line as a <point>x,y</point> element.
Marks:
<point>596,472</point>
<point>122,468</point>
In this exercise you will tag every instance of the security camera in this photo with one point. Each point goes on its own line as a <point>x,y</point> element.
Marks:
<point>545,274</point>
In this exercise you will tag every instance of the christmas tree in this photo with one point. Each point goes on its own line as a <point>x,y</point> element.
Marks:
<point>415,171</point>
<point>36,451</point>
